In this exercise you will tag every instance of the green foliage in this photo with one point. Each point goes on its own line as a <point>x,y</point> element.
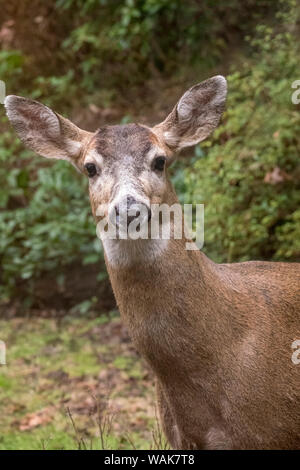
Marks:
<point>105,47</point>
<point>10,64</point>
<point>65,357</point>
<point>142,38</point>
<point>248,178</point>
<point>45,218</point>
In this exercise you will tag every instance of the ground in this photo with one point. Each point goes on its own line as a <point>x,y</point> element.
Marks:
<point>74,382</point>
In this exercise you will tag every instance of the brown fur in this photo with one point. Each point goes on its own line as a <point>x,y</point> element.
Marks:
<point>218,337</point>
<point>219,340</point>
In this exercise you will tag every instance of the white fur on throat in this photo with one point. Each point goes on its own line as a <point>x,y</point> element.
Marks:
<point>125,253</point>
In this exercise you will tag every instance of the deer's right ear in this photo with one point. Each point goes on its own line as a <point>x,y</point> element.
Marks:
<point>45,131</point>
<point>196,114</point>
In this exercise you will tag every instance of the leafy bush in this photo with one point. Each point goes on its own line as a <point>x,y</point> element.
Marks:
<point>138,39</point>
<point>45,218</point>
<point>80,47</point>
<point>249,175</point>
<point>99,47</point>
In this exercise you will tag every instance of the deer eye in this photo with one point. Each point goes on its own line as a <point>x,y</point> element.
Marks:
<point>159,163</point>
<point>91,169</point>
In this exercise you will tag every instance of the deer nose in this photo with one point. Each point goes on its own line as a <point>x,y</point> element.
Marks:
<point>133,209</point>
<point>130,201</point>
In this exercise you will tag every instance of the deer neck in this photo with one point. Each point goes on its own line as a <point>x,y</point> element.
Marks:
<point>165,305</point>
<point>163,292</point>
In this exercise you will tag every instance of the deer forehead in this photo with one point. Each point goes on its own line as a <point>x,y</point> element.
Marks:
<point>129,145</point>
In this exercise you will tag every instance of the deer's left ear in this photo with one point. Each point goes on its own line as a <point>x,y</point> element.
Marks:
<point>45,131</point>
<point>195,115</point>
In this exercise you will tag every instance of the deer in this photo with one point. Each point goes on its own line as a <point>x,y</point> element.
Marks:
<point>217,336</point>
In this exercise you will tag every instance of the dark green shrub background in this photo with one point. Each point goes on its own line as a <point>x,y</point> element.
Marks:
<point>248,175</point>
<point>121,54</point>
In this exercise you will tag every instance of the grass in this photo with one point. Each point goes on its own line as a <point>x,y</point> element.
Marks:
<point>60,372</point>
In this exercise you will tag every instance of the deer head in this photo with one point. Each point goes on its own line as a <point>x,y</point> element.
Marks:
<point>126,164</point>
